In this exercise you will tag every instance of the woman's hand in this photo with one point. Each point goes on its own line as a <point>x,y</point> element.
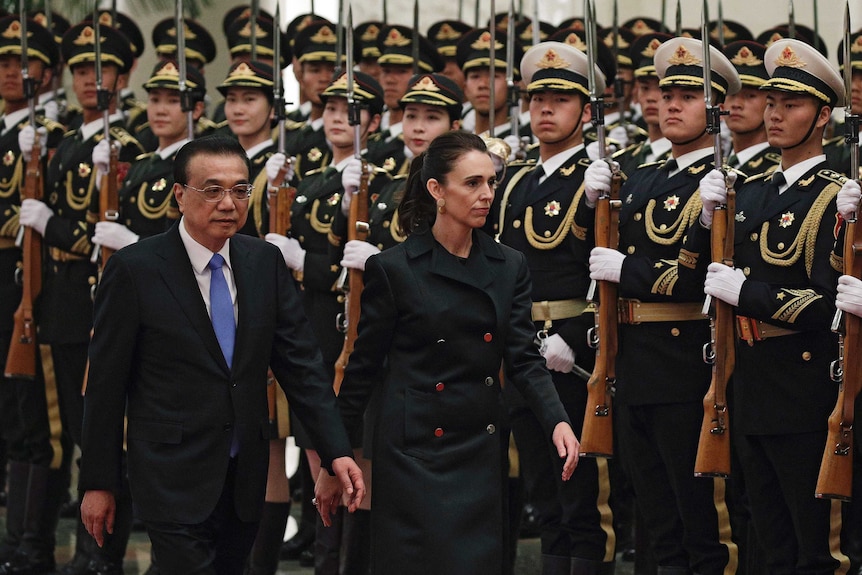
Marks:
<point>567,446</point>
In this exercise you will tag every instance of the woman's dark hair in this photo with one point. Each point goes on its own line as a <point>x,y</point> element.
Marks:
<point>418,208</point>
<point>212,145</point>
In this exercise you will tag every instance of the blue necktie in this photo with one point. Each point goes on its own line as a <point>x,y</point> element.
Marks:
<point>221,308</point>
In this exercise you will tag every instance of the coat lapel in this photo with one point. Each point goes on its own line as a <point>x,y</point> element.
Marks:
<point>478,271</point>
<point>245,300</point>
<point>181,283</point>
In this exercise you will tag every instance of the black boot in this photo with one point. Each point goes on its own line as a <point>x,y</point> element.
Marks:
<point>304,537</point>
<point>35,554</point>
<point>356,543</point>
<point>327,545</point>
<point>18,474</point>
<point>84,545</point>
<point>108,560</point>
<point>270,535</point>
<point>556,565</point>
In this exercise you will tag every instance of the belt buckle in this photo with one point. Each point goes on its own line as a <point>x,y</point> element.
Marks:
<point>748,330</point>
<point>625,308</point>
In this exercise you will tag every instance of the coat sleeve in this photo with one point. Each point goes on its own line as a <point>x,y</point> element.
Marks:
<point>525,367</point>
<point>112,356</point>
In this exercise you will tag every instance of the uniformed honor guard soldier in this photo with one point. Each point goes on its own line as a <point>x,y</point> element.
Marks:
<point>65,305</point>
<point>53,99</point>
<point>445,35</point>
<point>396,69</point>
<point>367,48</point>
<point>751,153</point>
<point>315,52</point>
<point>292,31</point>
<point>318,199</point>
<point>658,410</point>
<point>544,214</point>
<point>656,147</point>
<point>783,288</point>
<point>38,462</point>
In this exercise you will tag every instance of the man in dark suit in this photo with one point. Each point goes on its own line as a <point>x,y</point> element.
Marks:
<point>194,395</point>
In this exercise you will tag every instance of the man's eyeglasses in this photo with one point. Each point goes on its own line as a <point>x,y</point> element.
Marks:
<point>238,193</point>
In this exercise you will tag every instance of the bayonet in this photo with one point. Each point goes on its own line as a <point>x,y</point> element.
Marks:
<point>185,94</point>
<point>255,11</point>
<point>492,70</point>
<point>713,112</point>
<point>29,83</point>
<point>720,23</point>
<point>514,99</point>
<point>476,14</point>
<point>414,47</point>
<point>339,41</point>
<point>460,10</point>
<point>354,116</point>
<point>537,31</point>
<point>597,103</point>
<point>816,38</point>
<point>663,14</point>
<point>386,11</point>
<point>103,95</point>
<point>678,27</point>
<point>277,86</point>
<point>851,120</point>
<point>791,19</point>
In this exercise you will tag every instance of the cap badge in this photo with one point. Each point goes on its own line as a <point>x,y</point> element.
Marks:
<point>14,30</point>
<point>575,41</point>
<point>371,33</point>
<point>447,32</point>
<point>621,42</point>
<point>189,35</point>
<point>789,58</point>
<point>745,57</point>
<point>87,36</point>
<point>483,42</point>
<point>259,31</point>
<point>426,84</point>
<point>857,44</point>
<point>552,60</point>
<point>650,49</point>
<point>640,28</point>
<point>324,36</point>
<point>682,56</point>
<point>243,70</point>
<point>396,38</point>
<point>169,69</point>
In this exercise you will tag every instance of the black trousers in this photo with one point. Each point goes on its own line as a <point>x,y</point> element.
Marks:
<point>218,546</point>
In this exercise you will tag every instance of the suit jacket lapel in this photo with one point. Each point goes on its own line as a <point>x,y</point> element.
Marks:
<point>180,281</point>
<point>245,300</point>
<point>478,270</point>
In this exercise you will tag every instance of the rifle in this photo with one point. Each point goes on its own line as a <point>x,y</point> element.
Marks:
<point>713,449</point>
<point>511,88</point>
<point>597,438</point>
<point>357,227</point>
<point>835,480</point>
<point>281,199</point>
<point>21,358</point>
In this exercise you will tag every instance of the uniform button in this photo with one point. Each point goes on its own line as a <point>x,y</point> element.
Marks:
<point>438,432</point>
<point>489,381</point>
<point>753,236</point>
<point>630,250</point>
<point>488,337</point>
<point>516,224</point>
<point>806,356</point>
<point>675,332</point>
<point>233,384</point>
<point>491,429</point>
<point>638,216</point>
<point>440,386</point>
<point>781,245</point>
<point>746,270</point>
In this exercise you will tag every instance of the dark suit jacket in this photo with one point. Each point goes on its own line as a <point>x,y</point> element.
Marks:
<point>155,355</point>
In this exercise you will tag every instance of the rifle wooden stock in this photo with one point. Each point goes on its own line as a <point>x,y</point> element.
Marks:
<point>835,480</point>
<point>22,357</point>
<point>280,202</point>
<point>597,437</point>
<point>713,448</point>
<point>357,229</point>
<point>109,200</point>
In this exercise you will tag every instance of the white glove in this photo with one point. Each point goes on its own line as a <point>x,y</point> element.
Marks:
<point>593,150</point>
<point>291,251</point>
<point>114,236</point>
<point>558,355</point>
<point>102,157</point>
<point>724,282</point>
<point>597,180</point>
<point>27,139</point>
<point>274,165</point>
<point>356,252</point>
<point>713,191</point>
<point>848,199</point>
<point>51,110</point>
<point>619,135</point>
<point>350,177</point>
<point>35,213</point>
<point>849,298</point>
<point>514,143</point>
<point>606,264</point>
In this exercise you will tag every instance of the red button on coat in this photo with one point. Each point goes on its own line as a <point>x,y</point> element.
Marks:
<point>438,432</point>
<point>488,337</point>
<point>439,386</point>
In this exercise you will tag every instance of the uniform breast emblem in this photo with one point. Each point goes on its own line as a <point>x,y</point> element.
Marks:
<point>314,154</point>
<point>301,199</point>
<point>786,220</point>
<point>389,164</point>
<point>84,169</point>
<point>334,199</point>
<point>160,185</point>
<point>740,217</point>
<point>671,203</point>
<point>8,158</point>
<point>552,208</point>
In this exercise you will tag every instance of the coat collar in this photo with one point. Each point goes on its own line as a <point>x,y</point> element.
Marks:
<point>478,271</point>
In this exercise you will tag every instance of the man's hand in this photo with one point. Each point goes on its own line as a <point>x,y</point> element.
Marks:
<point>567,447</point>
<point>849,298</point>
<point>27,139</point>
<point>274,165</point>
<point>724,282</point>
<point>35,213</point>
<point>848,199</point>
<point>597,180</point>
<point>558,355</point>
<point>97,514</point>
<point>346,486</point>
<point>356,252</point>
<point>114,236</point>
<point>606,264</point>
<point>291,251</point>
<point>713,192</point>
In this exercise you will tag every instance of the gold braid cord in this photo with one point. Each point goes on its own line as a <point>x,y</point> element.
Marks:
<point>800,299</point>
<point>668,235</point>
<point>807,231</point>
<point>316,224</point>
<point>148,211</point>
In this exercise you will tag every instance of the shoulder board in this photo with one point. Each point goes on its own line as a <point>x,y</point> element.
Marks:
<point>222,124</point>
<point>378,170</point>
<point>773,157</point>
<point>144,156</point>
<point>400,176</point>
<point>533,146</point>
<point>70,133</point>
<point>50,124</point>
<point>206,123</point>
<point>125,138</point>
<point>760,176</point>
<point>375,137</point>
<point>585,162</point>
<point>655,164</point>
<point>630,149</point>
<point>832,176</point>
<point>315,171</point>
<point>833,141</point>
<point>290,124</point>
<point>521,163</point>
<point>142,127</point>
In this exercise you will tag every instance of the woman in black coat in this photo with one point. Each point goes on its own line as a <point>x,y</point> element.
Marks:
<point>440,314</point>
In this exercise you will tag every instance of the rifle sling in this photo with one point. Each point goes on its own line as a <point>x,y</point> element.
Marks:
<point>7,243</point>
<point>59,255</point>
<point>750,330</point>
<point>633,311</point>
<point>560,309</point>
